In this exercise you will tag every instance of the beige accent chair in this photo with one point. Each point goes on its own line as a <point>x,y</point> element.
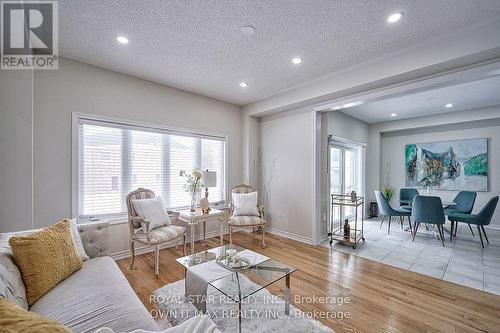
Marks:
<point>139,229</point>
<point>239,221</point>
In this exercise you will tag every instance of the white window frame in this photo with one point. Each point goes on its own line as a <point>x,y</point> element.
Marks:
<point>360,169</point>
<point>139,125</point>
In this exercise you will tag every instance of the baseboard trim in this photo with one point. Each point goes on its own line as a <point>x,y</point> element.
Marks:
<point>147,249</point>
<point>290,235</point>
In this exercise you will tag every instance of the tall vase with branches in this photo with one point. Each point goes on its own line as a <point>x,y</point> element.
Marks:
<point>264,179</point>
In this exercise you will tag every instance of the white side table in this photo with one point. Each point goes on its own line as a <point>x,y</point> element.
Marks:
<point>194,218</point>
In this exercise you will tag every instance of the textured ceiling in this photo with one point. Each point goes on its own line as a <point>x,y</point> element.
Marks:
<point>465,96</point>
<point>198,45</point>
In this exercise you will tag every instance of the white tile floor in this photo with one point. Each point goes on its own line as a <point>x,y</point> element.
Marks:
<point>462,261</point>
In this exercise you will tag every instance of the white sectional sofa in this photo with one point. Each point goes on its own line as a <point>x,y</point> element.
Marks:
<point>97,295</point>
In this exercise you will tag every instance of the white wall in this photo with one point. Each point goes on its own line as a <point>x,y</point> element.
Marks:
<point>341,125</point>
<point>289,139</point>
<point>79,87</point>
<point>16,167</point>
<point>393,152</point>
<point>387,140</point>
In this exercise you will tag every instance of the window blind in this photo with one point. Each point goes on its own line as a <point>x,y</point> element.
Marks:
<point>114,159</point>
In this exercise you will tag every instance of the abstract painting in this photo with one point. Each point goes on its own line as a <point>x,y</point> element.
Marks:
<point>448,165</point>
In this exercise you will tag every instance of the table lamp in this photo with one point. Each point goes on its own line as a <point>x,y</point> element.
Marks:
<point>209,179</point>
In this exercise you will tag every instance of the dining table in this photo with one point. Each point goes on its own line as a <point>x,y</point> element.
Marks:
<point>445,203</point>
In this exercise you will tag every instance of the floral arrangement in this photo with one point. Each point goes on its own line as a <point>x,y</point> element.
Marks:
<point>193,182</point>
<point>388,193</point>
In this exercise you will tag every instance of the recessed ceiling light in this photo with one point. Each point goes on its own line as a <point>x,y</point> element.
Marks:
<point>243,84</point>
<point>393,18</point>
<point>394,114</point>
<point>449,105</point>
<point>248,30</point>
<point>122,39</point>
<point>296,60</point>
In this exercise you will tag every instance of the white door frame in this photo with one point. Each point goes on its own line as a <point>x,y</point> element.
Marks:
<point>345,144</point>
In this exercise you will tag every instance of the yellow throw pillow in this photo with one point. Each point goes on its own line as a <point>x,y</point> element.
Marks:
<point>45,258</point>
<point>15,319</point>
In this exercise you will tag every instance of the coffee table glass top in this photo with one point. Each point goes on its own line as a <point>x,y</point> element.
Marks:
<point>204,256</point>
<point>240,285</point>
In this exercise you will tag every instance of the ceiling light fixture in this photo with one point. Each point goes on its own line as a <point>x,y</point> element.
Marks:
<point>394,114</point>
<point>393,18</point>
<point>296,60</point>
<point>449,105</point>
<point>122,39</point>
<point>243,84</point>
<point>248,30</point>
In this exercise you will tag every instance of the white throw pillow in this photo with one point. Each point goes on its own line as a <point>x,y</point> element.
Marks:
<point>152,210</point>
<point>245,204</point>
<point>78,240</point>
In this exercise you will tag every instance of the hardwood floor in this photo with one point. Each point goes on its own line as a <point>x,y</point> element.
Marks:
<point>382,298</point>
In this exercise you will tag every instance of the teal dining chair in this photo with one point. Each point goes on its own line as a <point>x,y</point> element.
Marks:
<point>386,210</point>
<point>428,210</point>
<point>480,219</point>
<point>406,196</point>
<point>464,204</point>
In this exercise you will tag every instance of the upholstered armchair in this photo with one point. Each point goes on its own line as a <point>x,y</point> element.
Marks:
<point>244,221</point>
<point>139,229</point>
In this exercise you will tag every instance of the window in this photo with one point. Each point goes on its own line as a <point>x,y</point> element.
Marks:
<point>114,158</point>
<point>345,172</point>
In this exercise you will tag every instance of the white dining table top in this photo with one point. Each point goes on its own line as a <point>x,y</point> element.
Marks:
<point>444,202</point>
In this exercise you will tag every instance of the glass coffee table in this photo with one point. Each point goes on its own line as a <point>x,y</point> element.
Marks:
<point>242,284</point>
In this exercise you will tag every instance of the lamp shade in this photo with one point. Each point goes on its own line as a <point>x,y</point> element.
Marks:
<point>209,178</point>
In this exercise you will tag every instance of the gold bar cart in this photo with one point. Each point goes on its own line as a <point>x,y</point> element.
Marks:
<point>336,229</point>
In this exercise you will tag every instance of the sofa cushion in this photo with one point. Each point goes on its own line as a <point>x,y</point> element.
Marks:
<point>98,295</point>
<point>13,318</point>
<point>45,258</point>
<point>77,239</point>
<point>95,238</point>
<point>11,283</point>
